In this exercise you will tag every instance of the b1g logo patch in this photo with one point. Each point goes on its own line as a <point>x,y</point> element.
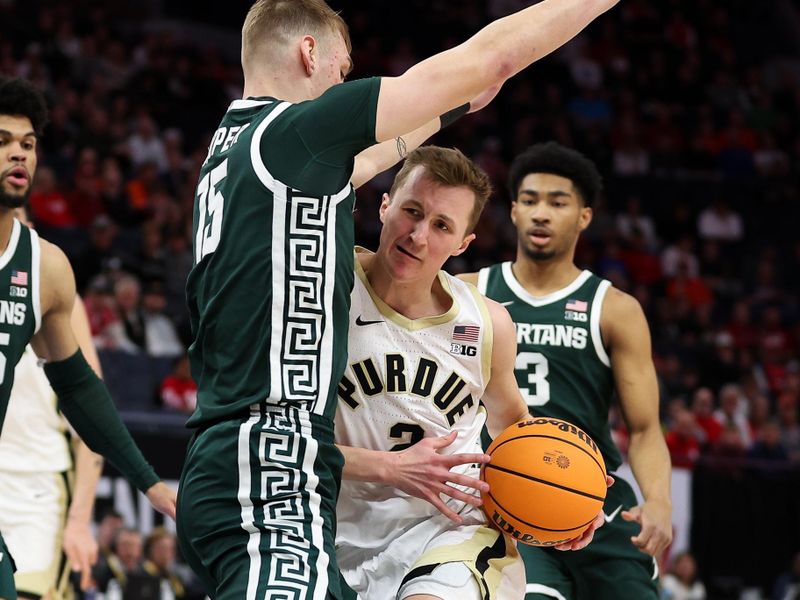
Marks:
<point>17,292</point>
<point>463,350</point>
<point>571,315</point>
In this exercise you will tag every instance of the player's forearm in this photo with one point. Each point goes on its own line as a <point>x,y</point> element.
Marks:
<point>650,463</point>
<point>376,159</point>
<point>86,404</point>
<point>88,468</point>
<point>497,425</point>
<point>508,45</point>
<point>362,464</point>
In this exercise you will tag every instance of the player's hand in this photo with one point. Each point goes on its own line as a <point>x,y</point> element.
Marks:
<point>163,498</point>
<point>80,547</point>
<point>422,472</point>
<point>655,517</point>
<point>587,536</point>
<point>484,98</point>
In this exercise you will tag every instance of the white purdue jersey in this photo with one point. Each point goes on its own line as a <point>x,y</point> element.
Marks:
<point>405,380</point>
<point>34,432</point>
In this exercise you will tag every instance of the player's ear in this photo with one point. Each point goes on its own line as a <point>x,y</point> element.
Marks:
<point>308,53</point>
<point>464,244</point>
<point>585,217</point>
<point>385,202</point>
<point>514,212</point>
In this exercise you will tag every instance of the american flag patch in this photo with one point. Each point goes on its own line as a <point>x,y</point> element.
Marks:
<point>466,333</point>
<point>577,305</point>
<point>19,278</point>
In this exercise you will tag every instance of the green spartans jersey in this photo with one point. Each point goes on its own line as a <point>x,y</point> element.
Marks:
<point>20,314</point>
<point>273,252</point>
<point>562,367</point>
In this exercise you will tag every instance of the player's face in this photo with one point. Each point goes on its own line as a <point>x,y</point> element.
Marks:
<point>17,159</point>
<point>424,224</point>
<point>549,216</point>
<point>335,63</point>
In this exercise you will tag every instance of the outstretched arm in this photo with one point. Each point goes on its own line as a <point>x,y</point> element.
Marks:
<point>495,53</point>
<point>625,329</point>
<point>83,398</point>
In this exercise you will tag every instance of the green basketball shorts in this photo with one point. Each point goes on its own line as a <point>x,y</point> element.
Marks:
<point>257,506</point>
<point>610,568</point>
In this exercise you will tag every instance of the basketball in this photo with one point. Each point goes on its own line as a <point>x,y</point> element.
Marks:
<point>547,481</point>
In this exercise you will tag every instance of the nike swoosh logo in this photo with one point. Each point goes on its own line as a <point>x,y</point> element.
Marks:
<point>609,518</point>
<point>507,303</point>
<point>361,322</point>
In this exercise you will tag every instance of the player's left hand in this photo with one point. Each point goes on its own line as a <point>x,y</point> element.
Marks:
<point>80,547</point>
<point>655,517</point>
<point>163,498</point>
<point>587,536</point>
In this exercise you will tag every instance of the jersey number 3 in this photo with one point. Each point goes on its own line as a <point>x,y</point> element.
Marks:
<point>533,366</point>
<point>210,206</point>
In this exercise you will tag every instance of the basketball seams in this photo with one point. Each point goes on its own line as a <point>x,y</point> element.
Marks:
<point>544,481</point>
<point>529,524</point>
<point>551,437</point>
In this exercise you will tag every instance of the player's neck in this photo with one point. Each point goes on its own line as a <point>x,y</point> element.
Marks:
<point>6,224</point>
<point>541,278</point>
<point>414,300</point>
<point>259,86</point>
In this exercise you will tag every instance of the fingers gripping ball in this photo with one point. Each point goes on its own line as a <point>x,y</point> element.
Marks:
<point>547,481</point>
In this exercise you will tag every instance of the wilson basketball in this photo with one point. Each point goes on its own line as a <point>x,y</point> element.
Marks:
<point>547,481</point>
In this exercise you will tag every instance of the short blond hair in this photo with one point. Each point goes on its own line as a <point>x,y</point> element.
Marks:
<point>275,20</point>
<point>448,166</point>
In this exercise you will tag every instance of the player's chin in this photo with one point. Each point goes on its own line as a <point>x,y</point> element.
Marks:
<point>12,199</point>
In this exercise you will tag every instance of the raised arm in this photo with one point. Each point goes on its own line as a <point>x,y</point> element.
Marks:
<point>83,398</point>
<point>495,53</point>
<point>625,330</point>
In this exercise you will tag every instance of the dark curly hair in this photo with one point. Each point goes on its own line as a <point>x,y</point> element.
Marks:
<point>552,157</point>
<point>19,97</point>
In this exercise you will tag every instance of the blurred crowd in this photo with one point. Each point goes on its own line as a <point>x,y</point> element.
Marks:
<point>690,109</point>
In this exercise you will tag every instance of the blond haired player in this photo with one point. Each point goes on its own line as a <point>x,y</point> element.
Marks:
<point>426,353</point>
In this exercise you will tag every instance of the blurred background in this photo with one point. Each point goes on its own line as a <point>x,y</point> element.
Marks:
<point>691,109</point>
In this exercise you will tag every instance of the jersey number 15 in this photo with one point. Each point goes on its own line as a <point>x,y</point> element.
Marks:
<point>211,204</point>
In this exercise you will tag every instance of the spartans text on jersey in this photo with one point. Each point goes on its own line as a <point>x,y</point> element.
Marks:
<point>540,334</point>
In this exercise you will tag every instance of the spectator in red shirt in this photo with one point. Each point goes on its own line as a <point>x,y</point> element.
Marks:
<point>703,409</point>
<point>178,390</point>
<point>682,439</point>
<point>49,206</point>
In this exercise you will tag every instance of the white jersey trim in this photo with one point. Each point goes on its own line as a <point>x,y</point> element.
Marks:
<point>483,280</point>
<point>36,258</point>
<point>243,104</point>
<point>255,151</point>
<point>248,511</point>
<point>537,301</point>
<point>487,344</point>
<point>279,384</point>
<point>594,322</point>
<point>5,257</point>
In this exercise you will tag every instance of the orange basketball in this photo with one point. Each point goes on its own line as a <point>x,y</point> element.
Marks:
<point>547,481</point>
